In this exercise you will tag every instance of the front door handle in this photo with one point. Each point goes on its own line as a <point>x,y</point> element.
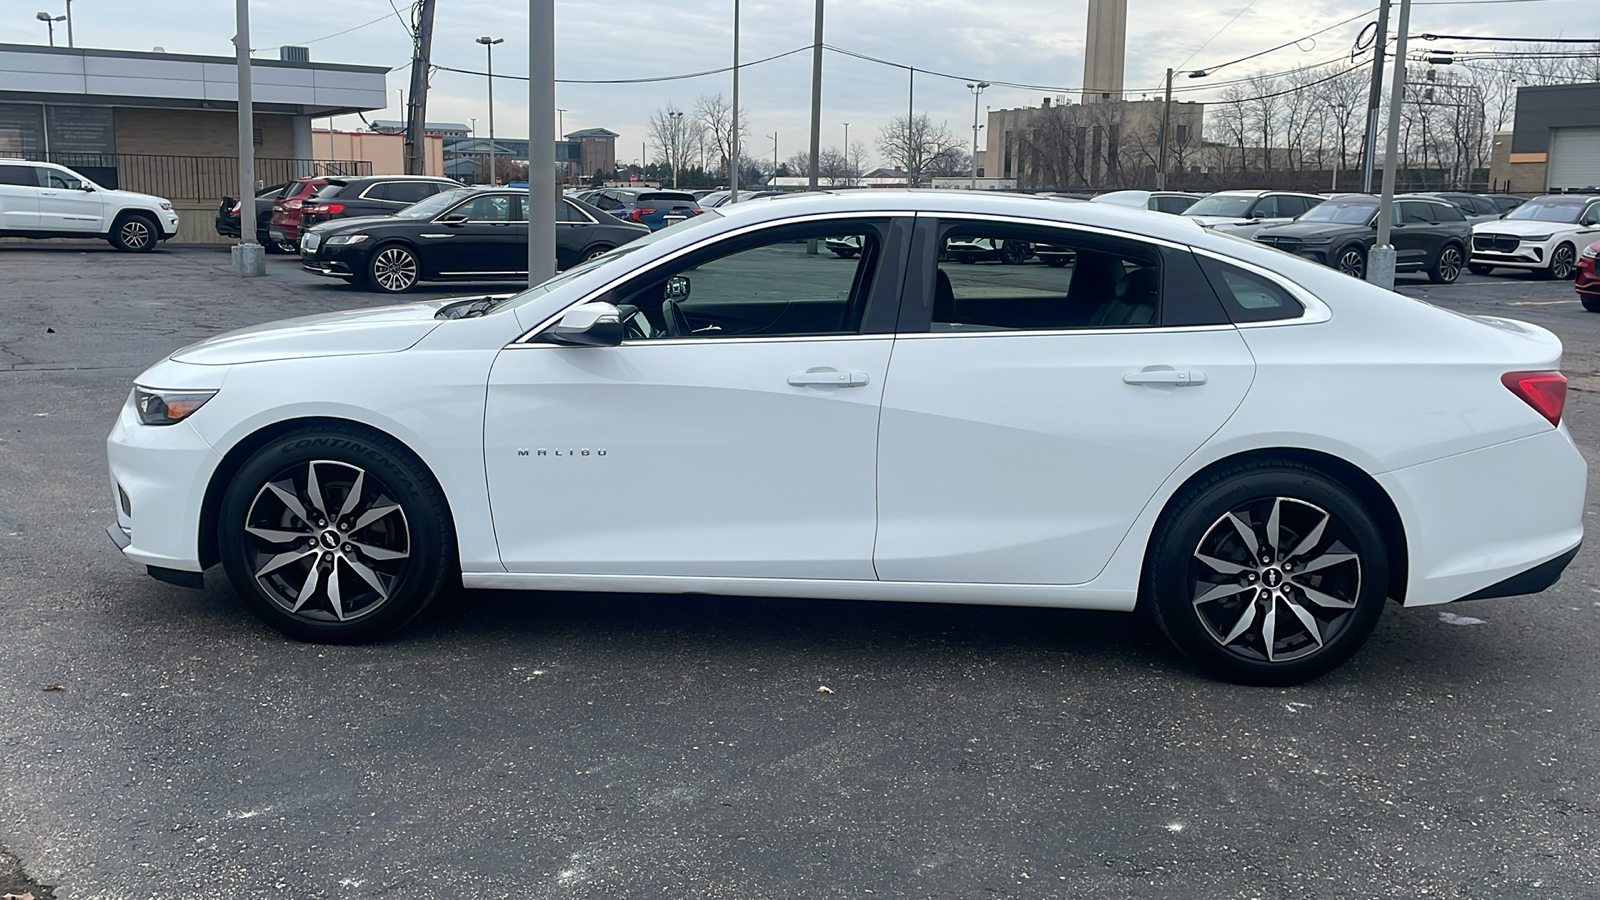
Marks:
<point>828,378</point>
<point>1165,376</point>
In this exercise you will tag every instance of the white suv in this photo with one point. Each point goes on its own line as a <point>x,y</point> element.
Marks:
<point>1544,234</point>
<point>44,200</point>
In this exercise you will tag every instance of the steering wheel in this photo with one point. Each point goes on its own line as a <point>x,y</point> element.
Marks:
<point>677,323</point>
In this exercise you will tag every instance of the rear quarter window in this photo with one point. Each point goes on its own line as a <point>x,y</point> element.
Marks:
<point>1248,297</point>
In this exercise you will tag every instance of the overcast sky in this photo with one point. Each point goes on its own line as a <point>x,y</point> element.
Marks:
<point>1025,41</point>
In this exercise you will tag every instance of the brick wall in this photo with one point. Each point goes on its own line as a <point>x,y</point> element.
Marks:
<point>196,132</point>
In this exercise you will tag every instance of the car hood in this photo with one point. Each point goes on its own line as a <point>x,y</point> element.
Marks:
<point>336,226</point>
<point>133,197</point>
<point>1311,230</point>
<point>1523,227</point>
<point>385,329</point>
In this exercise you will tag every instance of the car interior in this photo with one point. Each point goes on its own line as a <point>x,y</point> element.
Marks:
<point>775,288</point>
<point>1096,287</point>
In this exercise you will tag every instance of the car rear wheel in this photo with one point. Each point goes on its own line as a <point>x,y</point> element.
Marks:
<point>1563,263</point>
<point>134,233</point>
<point>393,270</point>
<point>335,535</point>
<point>1479,268</point>
<point>1352,261</point>
<point>1447,267</point>
<point>598,251</point>
<point>1268,573</point>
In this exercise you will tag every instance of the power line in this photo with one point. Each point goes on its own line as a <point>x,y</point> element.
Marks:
<point>1294,42</point>
<point>1219,33</point>
<point>653,80</point>
<point>1513,40</point>
<point>329,36</point>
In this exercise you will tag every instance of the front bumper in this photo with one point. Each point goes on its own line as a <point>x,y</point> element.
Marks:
<point>1525,256</point>
<point>159,476</point>
<point>339,261</point>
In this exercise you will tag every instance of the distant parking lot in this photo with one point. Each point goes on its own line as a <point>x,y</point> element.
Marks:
<point>161,742</point>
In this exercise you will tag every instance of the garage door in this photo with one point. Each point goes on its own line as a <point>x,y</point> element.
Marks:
<point>1574,158</point>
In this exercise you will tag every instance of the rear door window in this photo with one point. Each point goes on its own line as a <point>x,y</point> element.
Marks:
<point>24,176</point>
<point>409,192</point>
<point>1411,212</point>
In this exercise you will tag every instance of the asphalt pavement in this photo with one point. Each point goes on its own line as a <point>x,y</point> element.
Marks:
<point>158,742</point>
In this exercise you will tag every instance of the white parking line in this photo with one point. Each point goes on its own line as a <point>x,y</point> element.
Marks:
<point>1538,302</point>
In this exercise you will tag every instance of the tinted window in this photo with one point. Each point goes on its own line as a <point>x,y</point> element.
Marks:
<point>986,283</point>
<point>1267,208</point>
<point>1289,207</point>
<point>1233,205</point>
<point>23,175</point>
<point>766,286</point>
<point>605,201</point>
<point>1174,204</point>
<point>331,189</point>
<point>1249,297</point>
<point>409,191</point>
<point>1445,212</point>
<point>487,208</point>
<point>56,178</point>
<point>1354,211</point>
<point>1483,206</point>
<point>666,195</point>
<point>1505,203</point>
<point>1412,212</point>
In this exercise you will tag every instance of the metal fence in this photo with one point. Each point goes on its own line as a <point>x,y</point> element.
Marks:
<point>196,177</point>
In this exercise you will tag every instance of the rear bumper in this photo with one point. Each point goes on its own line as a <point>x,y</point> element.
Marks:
<point>1477,522</point>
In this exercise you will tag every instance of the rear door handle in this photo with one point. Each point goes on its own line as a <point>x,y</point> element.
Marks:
<point>828,379</point>
<point>1165,376</point>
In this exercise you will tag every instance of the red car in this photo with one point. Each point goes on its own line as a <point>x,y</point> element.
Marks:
<point>284,227</point>
<point>1589,277</point>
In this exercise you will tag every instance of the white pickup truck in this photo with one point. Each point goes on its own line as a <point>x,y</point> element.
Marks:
<point>44,200</point>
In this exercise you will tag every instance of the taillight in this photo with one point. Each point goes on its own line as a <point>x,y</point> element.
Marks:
<point>638,214</point>
<point>293,204</point>
<point>696,212</point>
<point>236,208</point>
<point>330,209</point>
<point>1546,392</point>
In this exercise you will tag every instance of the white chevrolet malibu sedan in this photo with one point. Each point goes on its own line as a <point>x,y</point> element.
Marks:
<point>1258,450</point>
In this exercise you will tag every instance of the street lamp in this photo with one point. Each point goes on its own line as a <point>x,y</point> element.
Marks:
<point>976,89</point>
<point>849,173</point>
<point>672,151</point>
<point>488,47</point>
<point>50,22</point>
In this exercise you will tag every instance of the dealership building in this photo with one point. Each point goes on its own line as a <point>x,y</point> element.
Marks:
<point>1554,142</point>
<point>167,123</point>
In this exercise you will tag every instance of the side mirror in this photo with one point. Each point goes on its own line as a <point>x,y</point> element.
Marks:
<point>596,324</point>
<point>677,287</point>
<point>454,219</point>
<point>86,187</point>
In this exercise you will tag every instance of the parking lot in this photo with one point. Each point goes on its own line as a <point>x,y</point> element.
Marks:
<point>160,742</point>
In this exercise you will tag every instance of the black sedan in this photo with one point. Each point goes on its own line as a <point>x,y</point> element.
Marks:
<point>460,235</point>
<point>1428,234</point>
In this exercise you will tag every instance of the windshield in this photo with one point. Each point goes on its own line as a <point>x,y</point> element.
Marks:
<point>1216,205</point>
<point>1348,212</point>
<point>1553,209</point>
<point>432,206</point>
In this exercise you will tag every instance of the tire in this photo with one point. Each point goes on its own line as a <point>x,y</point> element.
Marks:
<point>845,254</point>
<point>1479,268</point>
<point>289,247</point>
<point>1352,261</point>
<point>135,233</point>
<point>597,251</point>
<point>1591,302</point>
<point>1014,253</point>
<point>335,574</point>
<point>1218,599</point>
<point>1055,262</point>
<point>1446,266</point>
<point>393,269</point>
<point>1563,263</point>
<point>270,246</point>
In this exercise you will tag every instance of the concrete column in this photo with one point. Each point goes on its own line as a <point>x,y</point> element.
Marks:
<point>300,133</point>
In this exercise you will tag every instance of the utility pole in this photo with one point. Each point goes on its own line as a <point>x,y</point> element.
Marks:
<point>733,139</point>
<point>911,113</point>
<point>816,113</point>
<point>1380,267</point>
<point>1166,124</point>
<point>542,195</point>
<point>69,24</point>
<point>249,257</point>
<point>849,169</point>
<point>417,114</point>
<point>1369,143</point>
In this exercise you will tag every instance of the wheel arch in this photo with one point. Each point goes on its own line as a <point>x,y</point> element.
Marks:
<point>1350,476</point>
<point>236,456</point>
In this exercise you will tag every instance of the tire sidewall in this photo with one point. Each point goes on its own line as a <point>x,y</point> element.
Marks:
<point>1360,252</point>
<point>1572,252</point>
<point>1437,275</point>
<point>1168,570</point>
<point>149,224</point>
<point>369,271</point>
<point>431,540</point>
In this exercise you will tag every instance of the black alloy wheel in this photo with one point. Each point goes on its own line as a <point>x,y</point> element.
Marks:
<point>1447,266</point>
<point>1352,261</point>
<point>134,233</point>
<point>335,535</point>
<point>1014,253</point>
<point>393,269</point>
<point>1268,573</point>
<point>1563,263</point>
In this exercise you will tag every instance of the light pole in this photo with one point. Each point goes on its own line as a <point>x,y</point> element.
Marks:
<point>50,22</point>
<point>1166,123</point>
<point>849,170</point>
<point>488,49</point>
<point>672,151</point>
<point>774,137</point>
<point>977,89</point>
<point>1380,263</point>
<point>561,135</point>
<point>69,24</point>
<point>249,258</point>
<point>541,143</point>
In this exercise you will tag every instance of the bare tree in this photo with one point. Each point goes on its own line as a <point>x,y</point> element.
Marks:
<point>714,115</point>
<point>1263,110</point>
<point>919,147</point>
<point>1341,99</point>
<point>671,134</point>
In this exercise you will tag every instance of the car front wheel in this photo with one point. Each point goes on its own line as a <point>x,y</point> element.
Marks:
<point>393,270</point>
<point>1352,261</point>
<point>1447,267</point>
<point>1563,263</point>
<point>134,233</point>
<point>335,535</point>
<point>1269,573</point>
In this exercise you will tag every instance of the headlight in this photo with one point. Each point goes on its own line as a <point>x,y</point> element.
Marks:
<point>1536,238</point>
<point>342,239</point>
<point>159,407</point>
<point>1590,253</point>
<point>166,206</point>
